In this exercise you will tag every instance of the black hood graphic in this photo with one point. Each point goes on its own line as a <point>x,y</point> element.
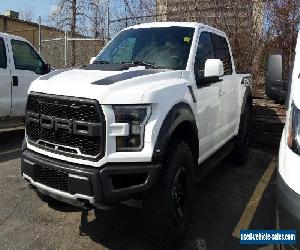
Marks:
<point>125,76</point>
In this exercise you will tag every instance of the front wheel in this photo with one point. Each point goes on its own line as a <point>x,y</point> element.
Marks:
<point>168,208</point>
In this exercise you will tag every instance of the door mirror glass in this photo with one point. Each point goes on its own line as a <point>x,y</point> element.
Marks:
<point>275,86</point>
<point>92,59</point>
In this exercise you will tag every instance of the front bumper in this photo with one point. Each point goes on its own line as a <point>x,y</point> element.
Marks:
<point>288,206</point>
<point>85,186</point>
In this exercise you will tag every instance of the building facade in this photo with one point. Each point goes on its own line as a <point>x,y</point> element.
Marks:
<point>241,13</point>
<point>54,45</point>
<point>242,20</point>
<point>11,24</point>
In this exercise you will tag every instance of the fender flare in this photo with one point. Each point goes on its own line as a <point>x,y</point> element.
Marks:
<point>180,113</point>
<point>247,97</point>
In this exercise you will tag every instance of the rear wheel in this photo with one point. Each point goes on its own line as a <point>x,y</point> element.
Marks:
<point>168,208</point>
<point>241,149</point>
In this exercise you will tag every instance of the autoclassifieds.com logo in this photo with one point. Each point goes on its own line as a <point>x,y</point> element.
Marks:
<point>250,237</point>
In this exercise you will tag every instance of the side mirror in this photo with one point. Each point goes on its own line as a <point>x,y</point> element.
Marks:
<point>92,59</point>
<point>46,68</point>
<point>213,68</point>
<point>275,86</point>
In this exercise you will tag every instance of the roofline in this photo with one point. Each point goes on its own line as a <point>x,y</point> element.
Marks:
<point>30,23</point>
<point>178,24</point>
<point>164,24</point>
<point>36,25</point>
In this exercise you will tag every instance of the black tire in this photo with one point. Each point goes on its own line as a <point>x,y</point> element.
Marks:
<point>241,149</point>
<point>167,210</point>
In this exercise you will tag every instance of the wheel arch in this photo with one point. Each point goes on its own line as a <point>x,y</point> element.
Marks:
<point>179,123</point>
<point>247,99</point>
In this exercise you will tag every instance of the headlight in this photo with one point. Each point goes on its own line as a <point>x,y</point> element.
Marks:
<point>136,116</point>
<point>293,140</point>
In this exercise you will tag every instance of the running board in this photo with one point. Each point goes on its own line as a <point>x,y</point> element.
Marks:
<point>205,167</point>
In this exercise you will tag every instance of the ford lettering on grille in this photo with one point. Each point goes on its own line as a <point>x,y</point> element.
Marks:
<point>75,127</point>
<point>66,125</point>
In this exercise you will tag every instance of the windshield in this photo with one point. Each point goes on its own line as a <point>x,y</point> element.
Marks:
<point>167,47</point>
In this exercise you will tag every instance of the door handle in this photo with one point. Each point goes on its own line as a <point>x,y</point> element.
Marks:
<point>15,81</point>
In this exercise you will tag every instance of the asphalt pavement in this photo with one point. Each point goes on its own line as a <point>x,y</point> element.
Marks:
<point>223,201</point>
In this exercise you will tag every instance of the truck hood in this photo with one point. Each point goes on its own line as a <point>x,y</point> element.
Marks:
<point>108,87</point>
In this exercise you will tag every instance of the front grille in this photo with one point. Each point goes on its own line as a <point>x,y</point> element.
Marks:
<point>52,178</point>
<point>61,140</point>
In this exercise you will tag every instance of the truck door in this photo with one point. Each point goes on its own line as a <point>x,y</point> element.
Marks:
<point>230,82</point>
<point>5,80</point>
<point>209,100</point>
<point>27,66</point>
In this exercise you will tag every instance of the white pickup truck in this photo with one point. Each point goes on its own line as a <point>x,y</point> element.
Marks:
<point>20,64</point>
<point>159,106</point>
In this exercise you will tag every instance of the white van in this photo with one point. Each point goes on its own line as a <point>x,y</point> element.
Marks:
<point>20,64</point>
<point>288,178</point>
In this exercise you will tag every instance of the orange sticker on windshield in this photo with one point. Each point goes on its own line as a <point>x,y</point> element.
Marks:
<point>186,39</point>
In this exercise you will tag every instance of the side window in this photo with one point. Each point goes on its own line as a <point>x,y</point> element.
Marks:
<point>222,52</point>
<point>26,58</point>
<point>3,57</point>
<point>205,51</point>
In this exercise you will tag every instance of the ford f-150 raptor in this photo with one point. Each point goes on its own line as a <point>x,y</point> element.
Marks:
<point>156,109</point>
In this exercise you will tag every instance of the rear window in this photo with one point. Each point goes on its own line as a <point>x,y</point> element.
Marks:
<point>3,58</point>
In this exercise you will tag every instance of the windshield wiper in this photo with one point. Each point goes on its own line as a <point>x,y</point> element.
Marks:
<point>147,64</point>
<point>101,62</point>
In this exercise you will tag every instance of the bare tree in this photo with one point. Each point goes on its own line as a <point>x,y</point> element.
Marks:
<point>140,8</point>
<point>70,15</point>
<point>131,12</point>
<point>283,19</point>
<point>98,17</point>
<point>26,14</point>
<point>80,17</point>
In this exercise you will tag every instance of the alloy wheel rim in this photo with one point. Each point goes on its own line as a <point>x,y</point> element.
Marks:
<point>180,194</point>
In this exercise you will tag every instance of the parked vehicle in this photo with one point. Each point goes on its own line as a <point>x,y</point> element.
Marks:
<point>288,186</point>
<point>159,106</point>
<point>20,64</point>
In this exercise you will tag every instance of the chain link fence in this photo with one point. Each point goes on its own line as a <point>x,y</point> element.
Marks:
<point>60,50</point>
<point>65,52</point>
